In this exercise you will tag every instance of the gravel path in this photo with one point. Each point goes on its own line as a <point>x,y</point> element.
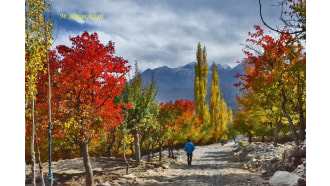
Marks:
<point>211,165</point>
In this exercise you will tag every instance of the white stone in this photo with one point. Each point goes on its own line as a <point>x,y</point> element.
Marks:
<point>166,166</point>
<point>284,178</point>
<point>130,176</point>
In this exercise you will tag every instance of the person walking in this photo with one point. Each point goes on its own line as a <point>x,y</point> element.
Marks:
<point>189,148</point>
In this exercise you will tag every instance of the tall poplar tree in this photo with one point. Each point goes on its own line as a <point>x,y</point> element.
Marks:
<point>200,87</point>
<point>215,99</point>
<point>223,116</point>
<point>220,115</point>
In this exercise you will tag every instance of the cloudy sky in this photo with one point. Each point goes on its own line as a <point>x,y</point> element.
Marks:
<point>166,32</point>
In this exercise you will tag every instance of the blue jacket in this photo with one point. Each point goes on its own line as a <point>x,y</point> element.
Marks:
<point>189,147</point>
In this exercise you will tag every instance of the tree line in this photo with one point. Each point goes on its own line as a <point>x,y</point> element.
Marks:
<point>96,111</point>
<point>82,98</point>
<point>273,86</point>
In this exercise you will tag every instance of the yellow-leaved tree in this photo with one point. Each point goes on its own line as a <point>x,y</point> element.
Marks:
<point>215,103</point>
<point>200,89</point>
<point>38,35</point>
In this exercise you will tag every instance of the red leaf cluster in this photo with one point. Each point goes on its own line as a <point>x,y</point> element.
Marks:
<point>277,55</point>
<point>86,78</point>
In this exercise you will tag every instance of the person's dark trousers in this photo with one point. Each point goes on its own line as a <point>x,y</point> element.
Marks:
<point>189,157</point>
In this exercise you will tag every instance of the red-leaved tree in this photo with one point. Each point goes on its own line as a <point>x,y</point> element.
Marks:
<point>276,77</point>
<point>180,122</point>
<point>86,79</point>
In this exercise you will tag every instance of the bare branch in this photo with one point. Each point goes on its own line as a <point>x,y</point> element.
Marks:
<point>277,30</point>
<point>259,52</point>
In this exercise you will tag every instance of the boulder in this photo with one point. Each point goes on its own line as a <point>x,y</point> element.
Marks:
<point>286,178</point>
<point>300,170</point>
<point>166,166</point>
<point>293,157</point>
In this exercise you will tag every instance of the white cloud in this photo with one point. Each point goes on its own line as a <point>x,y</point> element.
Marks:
<point>158,33</point>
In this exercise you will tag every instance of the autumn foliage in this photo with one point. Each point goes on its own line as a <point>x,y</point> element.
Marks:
<point>274,82</point>
<point>94,109</point>
<point>86,78</point>
<point>179,122</point>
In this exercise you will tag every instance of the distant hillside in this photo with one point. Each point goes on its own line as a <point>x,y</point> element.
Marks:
<point>178,83</point>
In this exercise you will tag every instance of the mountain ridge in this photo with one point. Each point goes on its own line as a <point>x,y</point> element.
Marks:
<point>178,83</point>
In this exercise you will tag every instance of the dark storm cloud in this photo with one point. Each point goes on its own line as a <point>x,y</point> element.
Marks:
<point>158,33</point>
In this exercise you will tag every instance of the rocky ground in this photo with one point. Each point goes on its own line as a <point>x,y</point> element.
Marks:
<point>231,164</point>
<point>284,162</point>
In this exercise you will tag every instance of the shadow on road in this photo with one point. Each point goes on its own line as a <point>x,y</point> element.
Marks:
<point>198,179</point>
<point>211,166</point>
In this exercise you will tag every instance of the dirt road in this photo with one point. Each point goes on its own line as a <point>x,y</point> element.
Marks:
<point>211,165</point>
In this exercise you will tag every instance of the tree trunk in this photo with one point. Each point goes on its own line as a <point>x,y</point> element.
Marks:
<point>250,137</point>
<point>108,150</point>
<point>32,145</point>
<point>117,148</point>
<point>124,153</point>
<point>276,133</point>
<point>302,125</point>
<point>143,137</point>
<point>41,168</point>
<point>111,141</point>
<point>160,151</point>
<point>172,147</point>
<point>148,150</point>
<point>50,171</point>
<point>132,149</point>
<point>87,164</point>
<point>137,148</point>
<point>152,149</point>
<point>172,152</point>
<point>293,130</point>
